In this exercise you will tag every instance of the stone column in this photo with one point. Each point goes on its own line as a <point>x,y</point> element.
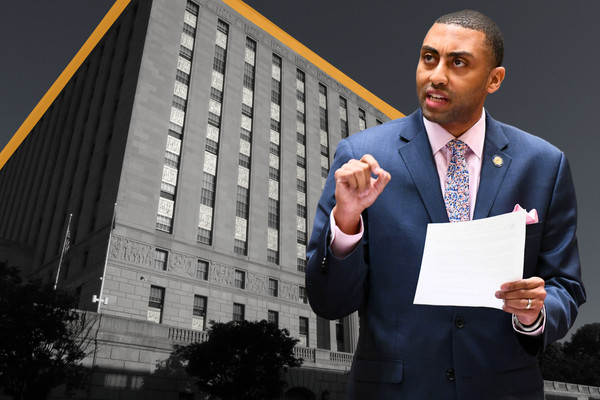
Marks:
<point>351,332</point>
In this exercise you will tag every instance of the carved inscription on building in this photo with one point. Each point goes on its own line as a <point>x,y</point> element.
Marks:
<point>127,250</point>
<point>278,48</point>
<point>130,251</point>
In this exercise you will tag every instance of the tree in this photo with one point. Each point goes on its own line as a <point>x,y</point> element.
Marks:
<point>554,365</point>
<point>42,338</point>
<point>584,352</point>
<point>241,360</point>
<point>575,361</point>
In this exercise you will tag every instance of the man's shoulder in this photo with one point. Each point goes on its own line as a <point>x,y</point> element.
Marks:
<point>388,132</point>
<point>525,141</point>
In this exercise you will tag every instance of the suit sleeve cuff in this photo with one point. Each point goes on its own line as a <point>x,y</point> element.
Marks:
<point>340,243</point>
<point>535,329</point>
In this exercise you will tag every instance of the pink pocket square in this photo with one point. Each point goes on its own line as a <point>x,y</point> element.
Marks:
<point>532,216</point>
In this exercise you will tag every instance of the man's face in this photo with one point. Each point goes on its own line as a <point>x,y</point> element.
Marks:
<point>454,76</point>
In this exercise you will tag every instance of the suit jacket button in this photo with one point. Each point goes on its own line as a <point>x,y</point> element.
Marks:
<point>459,322</point>
<point>450,374</point>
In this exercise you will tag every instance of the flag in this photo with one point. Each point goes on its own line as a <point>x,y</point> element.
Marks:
<point>65,248</point>
<point>67,242</point>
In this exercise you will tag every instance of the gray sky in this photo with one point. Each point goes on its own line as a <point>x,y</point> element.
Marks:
<point>551,88</point>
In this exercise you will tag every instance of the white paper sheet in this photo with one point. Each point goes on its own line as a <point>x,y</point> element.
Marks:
<point>464,263</point>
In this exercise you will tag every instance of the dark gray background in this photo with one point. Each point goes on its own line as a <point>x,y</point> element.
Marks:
<point>552,86</point>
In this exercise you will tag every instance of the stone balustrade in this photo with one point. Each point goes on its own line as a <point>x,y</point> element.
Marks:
<point>133,344</point>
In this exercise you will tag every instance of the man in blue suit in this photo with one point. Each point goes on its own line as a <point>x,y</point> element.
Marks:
<point>390,181</point>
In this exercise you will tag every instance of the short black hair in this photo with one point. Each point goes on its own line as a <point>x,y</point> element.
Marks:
<point>477,21</point>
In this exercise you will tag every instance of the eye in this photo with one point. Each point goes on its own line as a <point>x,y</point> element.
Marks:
<point>459,63</point>
<point>428,58</point>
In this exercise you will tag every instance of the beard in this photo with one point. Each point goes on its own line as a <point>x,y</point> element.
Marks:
<point>458,113</point>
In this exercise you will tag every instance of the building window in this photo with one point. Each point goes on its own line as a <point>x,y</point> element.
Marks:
<point>273,287</point>
<point>248,76</point>
<point>301,160</point>
<point>220,59</point>
<point>274,166</point>
<point>199,313</point>
<point>300,185</point>
<point>241,205</point>
<point>244,160</point>
<point>301,210</point>
<point>301,237</point>
<point>339,335</point>
<point>155,304</point>
<point>273,318</point>
<point>324,133</point>
<point>211,146</point>
<point>160,259</point>
<point>301,264</point>
<point>302,295</point>
<point>166,205</point>
<point>240,247</point>
<point>272,256</point>
<point>273,213</point>
<point>204,236</point>
<point>240,279</point>
<point>303,332</point>
<point>223,27</point>
<point>246,135</point>
<point>202,270</point>
<point>207,195</point>
<point>362,119</point>
<point>344,117</point>
<point>238,312</point>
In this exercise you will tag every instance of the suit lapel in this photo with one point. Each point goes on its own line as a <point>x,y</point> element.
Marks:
<point>492,173</point>
<point>416,153</point>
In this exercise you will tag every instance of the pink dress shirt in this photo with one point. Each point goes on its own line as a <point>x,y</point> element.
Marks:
<point>342,244</point>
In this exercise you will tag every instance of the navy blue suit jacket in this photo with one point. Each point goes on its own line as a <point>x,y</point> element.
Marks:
<point>408,351</point>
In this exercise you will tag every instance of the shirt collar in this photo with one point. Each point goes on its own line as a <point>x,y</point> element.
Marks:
<point>474,137</point>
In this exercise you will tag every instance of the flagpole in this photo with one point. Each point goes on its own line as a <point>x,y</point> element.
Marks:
<point>99,299</point>
<point>63,251</point>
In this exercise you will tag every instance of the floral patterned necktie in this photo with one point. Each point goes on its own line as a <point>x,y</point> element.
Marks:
<point>456,195</point>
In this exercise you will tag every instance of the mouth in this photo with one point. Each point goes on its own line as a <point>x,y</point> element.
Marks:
<point>436,98</point>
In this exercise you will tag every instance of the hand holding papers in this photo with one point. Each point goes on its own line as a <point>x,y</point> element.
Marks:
<point>465,263</point>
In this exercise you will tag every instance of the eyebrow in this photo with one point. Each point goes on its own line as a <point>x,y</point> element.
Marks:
<point>452,53</point>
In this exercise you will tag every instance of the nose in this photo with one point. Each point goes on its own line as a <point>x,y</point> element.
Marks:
<point>439,75</point>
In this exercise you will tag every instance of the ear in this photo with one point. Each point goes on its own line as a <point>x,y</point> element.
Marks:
<point>495,79</point>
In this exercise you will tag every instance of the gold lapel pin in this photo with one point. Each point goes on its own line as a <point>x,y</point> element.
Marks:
<point>497,161</point>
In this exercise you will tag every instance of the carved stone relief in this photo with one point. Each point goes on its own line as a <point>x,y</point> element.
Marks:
<point>122,249</point>
<point>256,283</point>
<point>222,274</point>
<point>181,263</point>
<point>288,291</point>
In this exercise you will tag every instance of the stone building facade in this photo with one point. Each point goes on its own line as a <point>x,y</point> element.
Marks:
<point>185,158</point>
